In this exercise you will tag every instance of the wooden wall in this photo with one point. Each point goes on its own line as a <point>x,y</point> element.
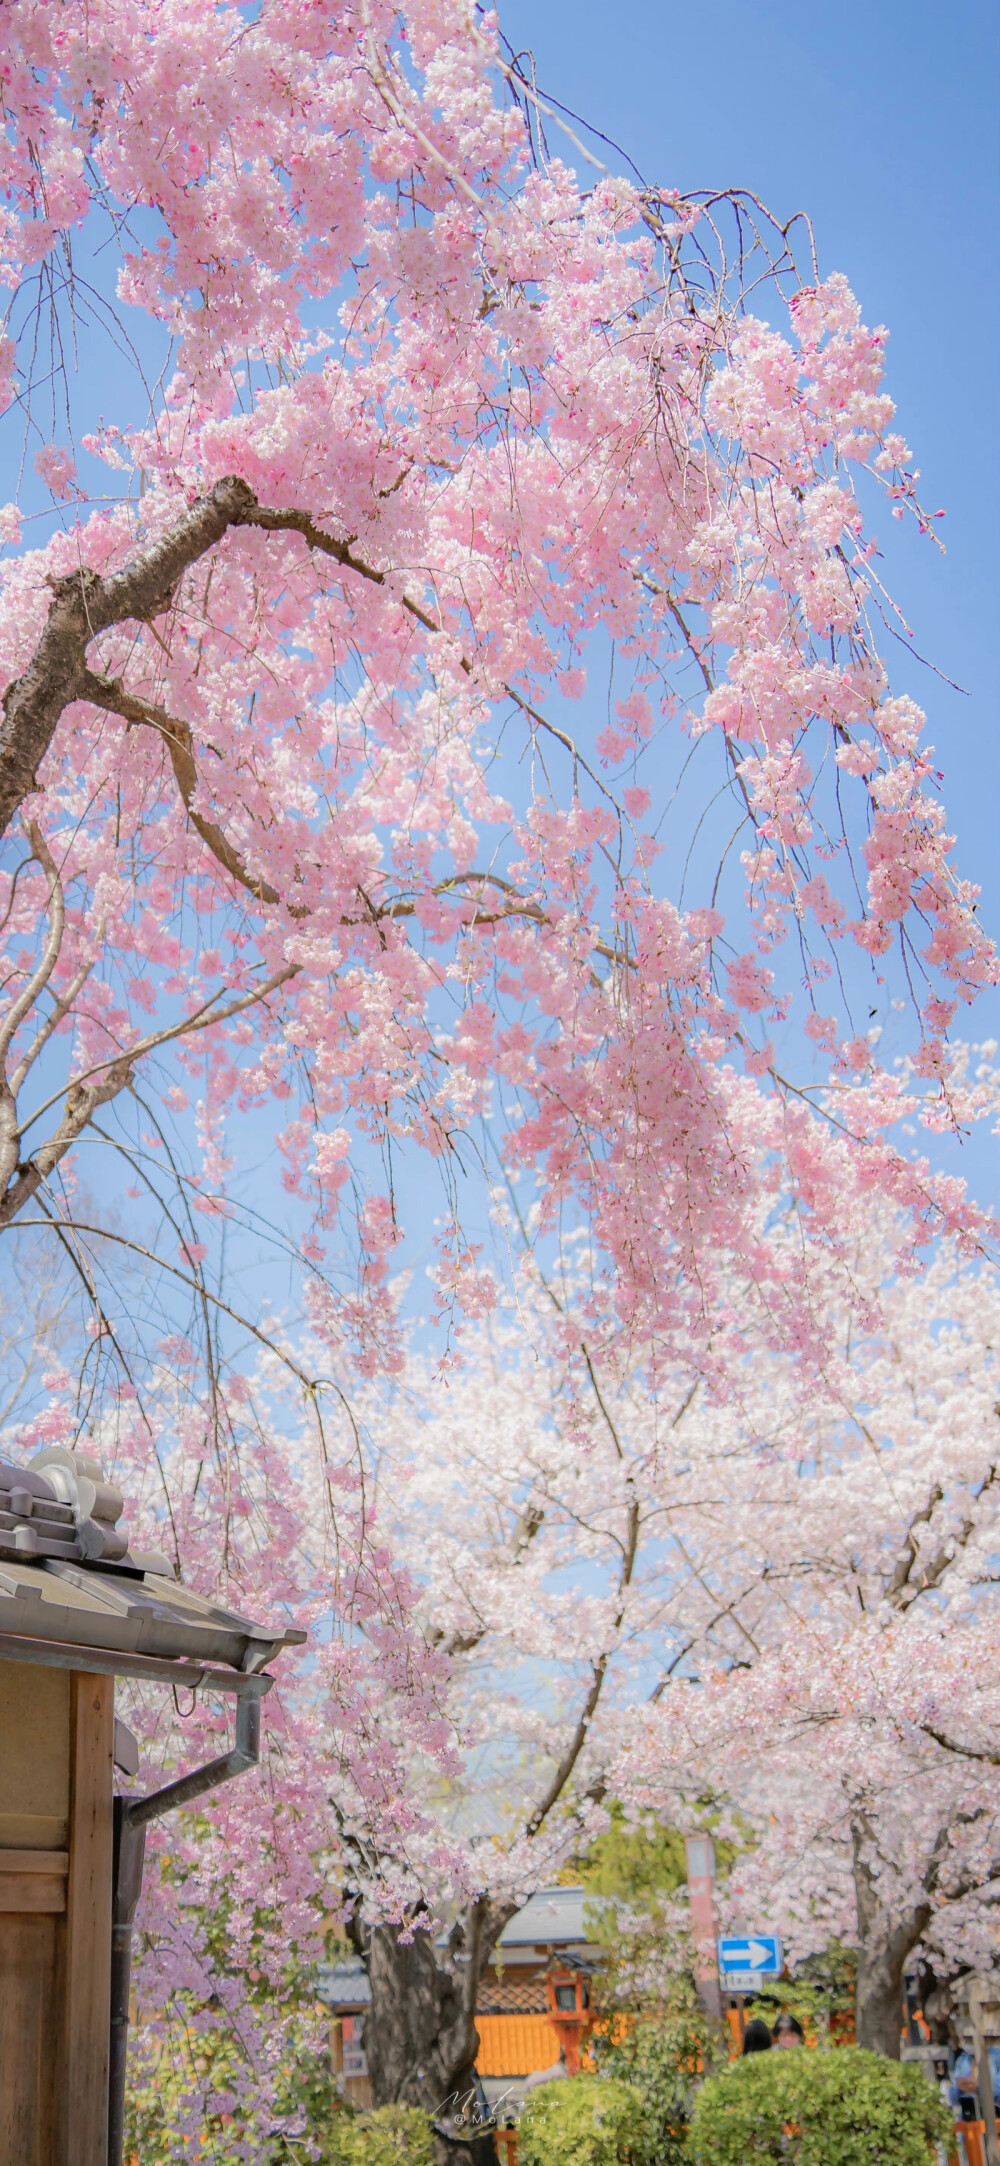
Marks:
<point>56,1839</point>
<point>516,2045</point>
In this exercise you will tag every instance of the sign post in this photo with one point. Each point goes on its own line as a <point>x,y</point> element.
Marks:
<point>700,1851</point>
<point>746,1962</point>
<point>983,2013</point>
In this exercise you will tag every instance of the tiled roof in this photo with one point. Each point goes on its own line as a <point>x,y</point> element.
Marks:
<point>60,1505</point>
<point>68,1578</point>
<point>508,1997</point>
<point>344,1985</point>
<point>551,1919</point>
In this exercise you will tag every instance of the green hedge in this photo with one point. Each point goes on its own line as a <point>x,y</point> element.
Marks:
<point>391,2136</point>
<point>802,2108</point>
<point>585,2121</point>
<point>661,2056</point>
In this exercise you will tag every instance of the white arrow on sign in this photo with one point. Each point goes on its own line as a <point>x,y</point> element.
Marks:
<point>754,1956</point>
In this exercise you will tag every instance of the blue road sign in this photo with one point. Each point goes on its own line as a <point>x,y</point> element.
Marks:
<point>749,1962</point>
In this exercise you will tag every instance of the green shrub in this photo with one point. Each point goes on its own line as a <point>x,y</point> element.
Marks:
<point>391,2136</point>
<point>802,2108</point>
<point>583,2121</point>
<point>662,2054</point>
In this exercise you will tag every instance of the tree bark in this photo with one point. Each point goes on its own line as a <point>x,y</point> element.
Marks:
<point>885,1941</point>
<point>84,604</point>
<point>421,2040</point>
<point>880,1998</point>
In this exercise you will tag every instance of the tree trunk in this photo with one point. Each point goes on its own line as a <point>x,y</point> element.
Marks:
<point>420,2034</point>
<point>880,1998</point>
<point>885,1941</point>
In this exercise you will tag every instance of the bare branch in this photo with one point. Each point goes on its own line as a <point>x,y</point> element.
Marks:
<point>56,911</point>
<point>110,694</point>
<point>86,1093</point>
<point>963,1752</point>
<point>904,1587</point>
<point>599,1669</point>
<point>528,1523</point>
<point>910,1551</point>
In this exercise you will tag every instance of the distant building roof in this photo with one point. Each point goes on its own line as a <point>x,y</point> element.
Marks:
<point>554,1918</point>
<point>344,1986</point>
<point>513,1996</point>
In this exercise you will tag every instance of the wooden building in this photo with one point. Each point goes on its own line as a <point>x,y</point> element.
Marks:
<point>77,1609</point>
<point>533,2013</point>
<point>344,1989</point>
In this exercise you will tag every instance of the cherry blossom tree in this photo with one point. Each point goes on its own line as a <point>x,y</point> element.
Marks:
<point>293,814</point>
<point>843,1689</point>
<point>300,840</point>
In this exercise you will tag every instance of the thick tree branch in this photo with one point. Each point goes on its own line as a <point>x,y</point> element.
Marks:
<point>110,694</point>
<point>82,1101</point>
<point>56,913</point>
<point>84,604</point>
<point>906,1583</point>
<point>910,1551</point>
<point>527,1526</point>
<point>896,1937</point>
<point>599,1669</point>
<point>299,522</point>
<point>963,1752</point>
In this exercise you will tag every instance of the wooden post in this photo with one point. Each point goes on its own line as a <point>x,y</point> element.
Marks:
<point>56,1745</point>
<point>88,1920</point>
<point>983,2017</point>
<point>336,2046</point>
<point>34,1862</point>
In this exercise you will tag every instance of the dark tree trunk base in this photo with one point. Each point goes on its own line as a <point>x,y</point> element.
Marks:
<point>421,2040</point>
<point>879,2005</point>
<point>482,2151</point>
<point>886,1941</point>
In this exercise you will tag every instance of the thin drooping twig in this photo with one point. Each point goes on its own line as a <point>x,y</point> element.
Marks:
<point>56,912</point>
<point>86,1093</point>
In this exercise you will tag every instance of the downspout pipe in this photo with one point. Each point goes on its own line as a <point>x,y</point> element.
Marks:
<point>132,1816</point>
